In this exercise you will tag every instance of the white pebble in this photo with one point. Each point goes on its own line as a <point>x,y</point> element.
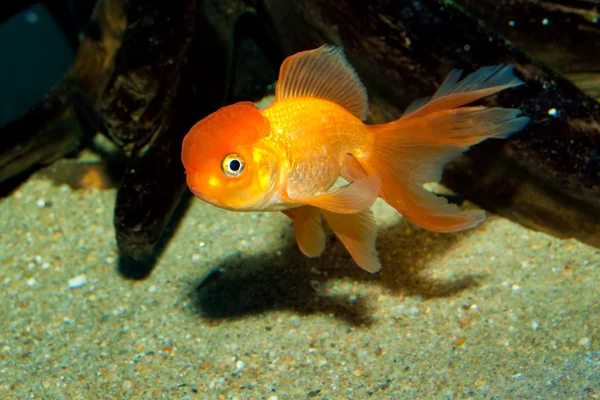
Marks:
<point>77,282</point>
<point>535,325</point>
<point>239,365</point>
<point>41,203</point>
<point>196,257</point>
<point>295,321</point>
<point>553,112</point>
<point>516,288</point>
<point>31,282</point>
<point>397,311</point>
<point>414,311</point>
<point>584,342</point>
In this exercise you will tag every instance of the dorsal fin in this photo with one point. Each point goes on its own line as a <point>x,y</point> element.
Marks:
<point>324,73</point>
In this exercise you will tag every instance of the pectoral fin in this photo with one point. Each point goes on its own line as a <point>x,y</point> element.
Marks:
<point>351,169</point>
<point>349,199</point>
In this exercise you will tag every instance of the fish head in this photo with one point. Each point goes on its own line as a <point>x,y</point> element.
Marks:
<point>227,163</point>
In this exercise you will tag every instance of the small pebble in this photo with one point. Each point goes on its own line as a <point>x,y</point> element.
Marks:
<point>295,321</point>
<point>77,282</point>
<point>535,325</point>
<point>239,365</point>
<point>414,311</point>
<point>584,342</point>
<point>397,311</point>
<point>593,358</point>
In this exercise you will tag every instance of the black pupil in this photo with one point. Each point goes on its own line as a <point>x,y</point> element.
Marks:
<point>234,165</point>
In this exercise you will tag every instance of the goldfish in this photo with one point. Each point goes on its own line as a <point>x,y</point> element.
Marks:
<point>288,156</point>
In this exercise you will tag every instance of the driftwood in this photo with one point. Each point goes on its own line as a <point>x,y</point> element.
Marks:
<point>52,130</point>
<point>147,70</point>
<point>564,34</point>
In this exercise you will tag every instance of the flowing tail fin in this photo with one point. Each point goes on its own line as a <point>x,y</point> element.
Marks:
<point>414,149</point>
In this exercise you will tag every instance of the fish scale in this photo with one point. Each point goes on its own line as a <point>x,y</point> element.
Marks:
<point>314,135</point>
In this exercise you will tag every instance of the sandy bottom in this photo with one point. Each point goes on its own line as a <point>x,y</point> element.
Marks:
<point>234,311</point>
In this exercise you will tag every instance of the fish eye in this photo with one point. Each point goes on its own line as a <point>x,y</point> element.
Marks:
<point>233,165</point>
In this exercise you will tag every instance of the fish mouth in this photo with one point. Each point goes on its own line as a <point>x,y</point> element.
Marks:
<point>208,200</point>
<point>198,193</point>
<point>219,204</point>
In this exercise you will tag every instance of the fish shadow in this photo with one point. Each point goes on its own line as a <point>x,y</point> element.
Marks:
<point>286,279</point>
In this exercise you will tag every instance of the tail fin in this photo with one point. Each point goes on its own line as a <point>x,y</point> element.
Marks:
<point>413,150</point>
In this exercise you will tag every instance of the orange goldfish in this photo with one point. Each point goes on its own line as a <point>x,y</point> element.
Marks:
<point>288,156</point>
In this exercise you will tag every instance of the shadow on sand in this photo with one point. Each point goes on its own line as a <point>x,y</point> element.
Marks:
<point>242,286</point>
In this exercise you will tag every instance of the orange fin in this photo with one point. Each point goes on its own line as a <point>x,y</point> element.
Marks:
<point>308,230</point>
<point>324,73</point>
<point>358,233</point>
<point>411,152</point>
<point>453,93</point>
<point>351,169</point>
<point>349,199</point>
<point>290,213</point>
